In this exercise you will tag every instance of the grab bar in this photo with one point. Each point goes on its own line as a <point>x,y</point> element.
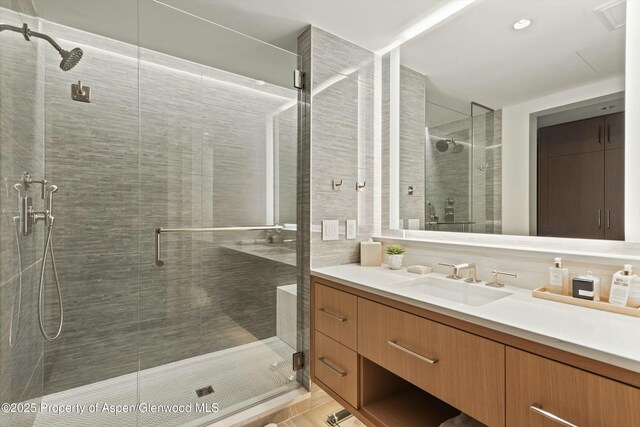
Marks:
<point>160,230</point>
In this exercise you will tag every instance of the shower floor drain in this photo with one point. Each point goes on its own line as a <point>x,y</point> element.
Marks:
<point>204,391</point>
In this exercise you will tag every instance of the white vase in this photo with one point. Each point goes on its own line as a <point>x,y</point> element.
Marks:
<point>395,261</point>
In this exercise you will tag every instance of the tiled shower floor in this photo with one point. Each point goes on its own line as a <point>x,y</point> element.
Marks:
<point>240,377</point>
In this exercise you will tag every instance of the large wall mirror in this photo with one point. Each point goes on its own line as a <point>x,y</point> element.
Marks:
<point>500,79</point>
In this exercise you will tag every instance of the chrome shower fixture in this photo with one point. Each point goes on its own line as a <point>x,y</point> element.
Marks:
<point>28,218</point>
<point>443,145</point>
<point>69,58</point>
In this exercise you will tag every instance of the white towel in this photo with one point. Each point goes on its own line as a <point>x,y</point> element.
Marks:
<point>462,420</point>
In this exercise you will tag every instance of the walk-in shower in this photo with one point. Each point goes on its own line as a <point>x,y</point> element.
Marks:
<point>194,149</point>
<point>459,159</point>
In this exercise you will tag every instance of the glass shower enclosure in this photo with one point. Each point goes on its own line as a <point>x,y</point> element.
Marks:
<point>172,145</point>
<point>462,157</point>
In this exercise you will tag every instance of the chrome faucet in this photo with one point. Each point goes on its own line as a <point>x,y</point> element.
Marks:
<point>455,274</point>
<point>274,237</point>
<point>495,283</point>
<point>472,272</point>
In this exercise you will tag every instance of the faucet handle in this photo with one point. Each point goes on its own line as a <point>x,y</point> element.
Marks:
<point>454,273</point>
<point>495,283</point>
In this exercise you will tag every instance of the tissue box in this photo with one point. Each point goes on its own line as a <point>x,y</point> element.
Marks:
<point>371,254</point>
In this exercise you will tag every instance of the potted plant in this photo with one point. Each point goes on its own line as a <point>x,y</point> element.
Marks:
<point>395,254</point>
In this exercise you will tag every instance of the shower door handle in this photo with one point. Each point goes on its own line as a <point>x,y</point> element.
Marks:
<point>160,230</point>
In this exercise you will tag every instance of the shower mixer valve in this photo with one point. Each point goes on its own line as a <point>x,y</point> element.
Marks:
<point>28,215</point>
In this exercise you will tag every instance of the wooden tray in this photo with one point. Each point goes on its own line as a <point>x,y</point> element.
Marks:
<point>603,304</point>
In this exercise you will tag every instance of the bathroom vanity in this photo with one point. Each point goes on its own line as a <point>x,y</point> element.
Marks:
<point>398,349</point>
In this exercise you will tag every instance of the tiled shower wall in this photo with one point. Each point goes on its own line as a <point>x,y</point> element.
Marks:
<point>21,149</point>
<point>448,173</point>
<point>164,143</point>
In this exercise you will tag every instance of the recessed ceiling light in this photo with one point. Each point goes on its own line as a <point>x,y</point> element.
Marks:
<point>522,24</point>
<point>260,82</point>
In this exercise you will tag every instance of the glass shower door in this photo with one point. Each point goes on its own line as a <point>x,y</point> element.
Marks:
<point>483,168</point>
<point>218,144</point>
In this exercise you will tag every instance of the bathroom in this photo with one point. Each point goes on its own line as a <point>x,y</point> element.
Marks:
<point>199,195</point>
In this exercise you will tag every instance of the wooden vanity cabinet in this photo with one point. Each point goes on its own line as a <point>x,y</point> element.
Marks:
<point>405,366</point>
<point>539,389</point>
<point>461,369</point>
<point>335,314</point>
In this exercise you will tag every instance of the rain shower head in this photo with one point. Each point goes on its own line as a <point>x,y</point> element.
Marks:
<point>442,145</point>
<point>69,58</point>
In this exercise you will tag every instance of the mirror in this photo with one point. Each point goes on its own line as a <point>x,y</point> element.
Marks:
<point>510,120</point>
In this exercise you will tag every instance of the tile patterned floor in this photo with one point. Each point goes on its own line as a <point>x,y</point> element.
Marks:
<point>266,371</point>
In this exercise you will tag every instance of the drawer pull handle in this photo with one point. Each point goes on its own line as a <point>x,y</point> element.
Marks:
<point>394,344</point>
<point>334,370</point>
<point>333,316</point>
<point>537,408</point>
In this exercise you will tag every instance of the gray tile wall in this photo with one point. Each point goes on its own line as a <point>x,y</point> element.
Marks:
<point>342,78</point>
<point>286,150</point>
<point>164,143</point>
<point>336,143</point>
<point>21,149</point>
<point>412,145</point>
<point>447,173</point>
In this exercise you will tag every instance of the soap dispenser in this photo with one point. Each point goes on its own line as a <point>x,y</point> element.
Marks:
<point>559,278</point>
<point>634,293</point>
<point>621,286</point>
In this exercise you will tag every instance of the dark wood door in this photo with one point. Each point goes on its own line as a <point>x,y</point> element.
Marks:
<point>581,136</point>
<point>575,196</point>
<point>614,128</point>
<point>581,179</point>
<point>614,194</point>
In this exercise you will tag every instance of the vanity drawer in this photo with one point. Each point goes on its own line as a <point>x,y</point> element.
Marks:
<point>464,370</point>
<point>337,367</point>
<point>539,388</point>
<point>335,315</point>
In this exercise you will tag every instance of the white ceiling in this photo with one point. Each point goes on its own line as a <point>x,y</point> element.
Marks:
<point>477,56</point>
<point>372,24</point>
<point>187,28</point>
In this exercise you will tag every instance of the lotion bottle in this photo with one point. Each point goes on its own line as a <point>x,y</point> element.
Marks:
<point>620,286</point>
<point>634,292</point>
<point>559,278</point>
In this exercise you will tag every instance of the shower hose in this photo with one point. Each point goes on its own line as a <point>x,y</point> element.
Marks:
<point>48,247</point>
<point>18,291</point>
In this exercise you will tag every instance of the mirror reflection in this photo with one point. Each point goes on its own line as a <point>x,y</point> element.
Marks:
<point>511,120</point>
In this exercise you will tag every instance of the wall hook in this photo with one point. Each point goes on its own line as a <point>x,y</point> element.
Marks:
<point>335,185</point>
<point>410,190</point>
<point>359,186</point>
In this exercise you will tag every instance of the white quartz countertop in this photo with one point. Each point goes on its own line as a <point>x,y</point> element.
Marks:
<point>608,337</point>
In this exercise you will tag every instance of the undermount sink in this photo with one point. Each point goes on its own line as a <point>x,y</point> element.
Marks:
<point>457,291</point>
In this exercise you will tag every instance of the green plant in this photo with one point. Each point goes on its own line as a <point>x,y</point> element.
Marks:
<point>395,250</point>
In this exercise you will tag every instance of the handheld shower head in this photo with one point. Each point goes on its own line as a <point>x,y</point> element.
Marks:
<point>70,59</point>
